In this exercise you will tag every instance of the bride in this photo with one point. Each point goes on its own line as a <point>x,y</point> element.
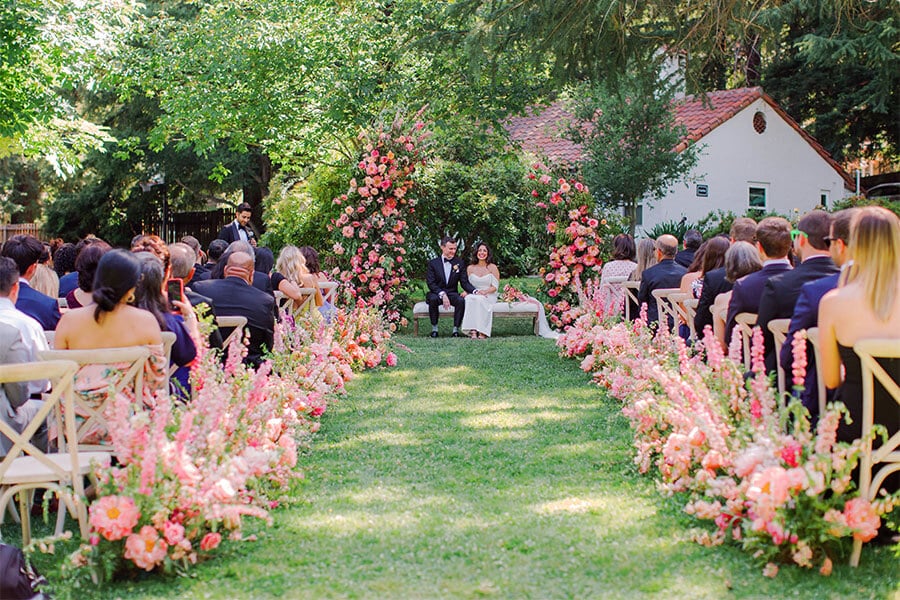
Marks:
<point>485,277</point>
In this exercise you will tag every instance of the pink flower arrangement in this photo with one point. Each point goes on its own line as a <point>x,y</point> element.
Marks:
<point>114,517</point>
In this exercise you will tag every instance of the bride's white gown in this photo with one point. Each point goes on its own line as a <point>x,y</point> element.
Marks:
<point>478,315</point>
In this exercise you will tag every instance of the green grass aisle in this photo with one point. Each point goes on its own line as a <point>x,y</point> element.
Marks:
<point>487,469</point>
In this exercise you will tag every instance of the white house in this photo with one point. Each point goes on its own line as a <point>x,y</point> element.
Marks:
<point>753,156</point>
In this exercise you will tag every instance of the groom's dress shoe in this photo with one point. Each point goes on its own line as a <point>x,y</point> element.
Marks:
<point>454,334</point>
<point>434,334</point>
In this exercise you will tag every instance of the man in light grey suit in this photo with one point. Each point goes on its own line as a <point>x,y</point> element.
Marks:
<point>16,408</point>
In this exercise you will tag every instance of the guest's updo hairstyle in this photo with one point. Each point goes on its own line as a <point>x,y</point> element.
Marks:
<point>117,272</point>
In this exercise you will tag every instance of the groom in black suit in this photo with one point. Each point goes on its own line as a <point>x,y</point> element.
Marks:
<point>239,229</point>
<point>444,276</point>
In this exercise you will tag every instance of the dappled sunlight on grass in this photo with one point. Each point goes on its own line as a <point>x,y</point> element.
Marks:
<point>505,435</point>
<point>381,437</point>
<point>569,450</point>
<point>507,419</point>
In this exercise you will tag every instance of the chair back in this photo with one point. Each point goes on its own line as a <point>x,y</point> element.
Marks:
<point>50,336</point>
<point>871,476</point>
<point>297,308</point>
<point>779,329</point>
<point>235,323</point>
<point>631,291</point>
<point>665,309</point>
<point>126,372</point>
<point>812,336</point>
<point>168,340</point>
<point>329,291</point>
<point>26,466</point>
<point>690,307</point>
<point>745,323</point>
<point>677,300</point>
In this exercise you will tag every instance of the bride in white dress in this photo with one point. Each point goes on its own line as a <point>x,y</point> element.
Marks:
<point>485,277</point>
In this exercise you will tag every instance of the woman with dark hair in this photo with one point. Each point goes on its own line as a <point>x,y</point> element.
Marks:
<point>621,265</point>
<point>315,268</point>
<point>86,268</point>
<point>710,255</point>
<point>484,275</point>
<point>264,260</point>
<point>150,295</point>
<point>741,258</point>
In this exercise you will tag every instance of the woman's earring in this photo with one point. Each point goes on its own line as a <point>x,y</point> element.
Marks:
<point>131,298</point>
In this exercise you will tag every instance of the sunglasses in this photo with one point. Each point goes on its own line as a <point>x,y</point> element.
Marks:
<point>795,233</point>
<point>829,239</point>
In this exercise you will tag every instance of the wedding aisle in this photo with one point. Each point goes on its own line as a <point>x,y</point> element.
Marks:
<point>483,469</point>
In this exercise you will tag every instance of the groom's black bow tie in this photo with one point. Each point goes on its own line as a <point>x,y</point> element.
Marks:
<point>448,260</point>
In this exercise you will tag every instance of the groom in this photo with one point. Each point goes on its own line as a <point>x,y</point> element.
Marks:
<point>444,274</point>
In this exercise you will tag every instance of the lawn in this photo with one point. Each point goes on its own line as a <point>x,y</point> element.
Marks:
<point>487,469</point>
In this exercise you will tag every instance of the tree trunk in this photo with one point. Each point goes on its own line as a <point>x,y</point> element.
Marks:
<point>256,187</point>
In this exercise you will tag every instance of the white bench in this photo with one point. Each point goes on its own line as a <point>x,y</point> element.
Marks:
<point>499,309</point>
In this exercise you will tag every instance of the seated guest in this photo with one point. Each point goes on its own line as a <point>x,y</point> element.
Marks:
<point>621,265</point>
<point>150,294</point>
<point>870,297</point>
<point>26,251</point>
<point>156,246</point>
<point>714,283</point>
<point>314,267</point>
<point>85,269</point>
<point>234,296</point>
<point>17,408</point>
<point>666,273</point>
<point>215,251</point>
<point>194,244</point>
<point>692,242</point>
<point>260,281</point>
<point>291,274</point>
<point>806,310</point>
<point>45,280</point>
<point>64,265</point>
<point>742,258</point>
<point>645,258</point>
<point>30,331</point>
<point>781,291</point>
<point>710,255</point>
<point>773,241</point>
<point>182,267</point>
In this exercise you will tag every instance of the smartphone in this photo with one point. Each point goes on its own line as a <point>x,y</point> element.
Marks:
<point>175,291</point>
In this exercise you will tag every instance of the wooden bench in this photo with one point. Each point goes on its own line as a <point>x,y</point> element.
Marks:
<point>500,310</point>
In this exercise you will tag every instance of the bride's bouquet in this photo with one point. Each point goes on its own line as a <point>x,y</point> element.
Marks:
<point>512,294</point>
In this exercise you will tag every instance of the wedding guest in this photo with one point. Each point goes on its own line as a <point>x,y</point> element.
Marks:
<point>45,280</point>
<point>741,259</point>
<point>666,273</point>
<point>264,262</point>
<point>214,253</point>
<point>26,251</point>
<point>692,241</point>
<point>444,275</point>
<point>239,229</point>
<point>485,278</point>
<point>86,269</point>
<point>870,296</point>
<point>64,265</point>
<point>291,274</point>
<point>646,258</point>
<point>621,265</point>
<point>154,245</point>
<point>29,329</point>
<point>710,255</point>
<point>182,267</point>
<point>17,408</point>
<point>199,268</point>
<point>314,266</point>
<point>773,241</point>
<point>260,281</point>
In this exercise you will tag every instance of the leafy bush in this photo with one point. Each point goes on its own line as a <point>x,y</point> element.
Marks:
<point>676,228</point>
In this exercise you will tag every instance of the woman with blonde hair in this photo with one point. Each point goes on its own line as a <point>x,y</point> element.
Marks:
<point>291,274</point>
<point>865,305</point>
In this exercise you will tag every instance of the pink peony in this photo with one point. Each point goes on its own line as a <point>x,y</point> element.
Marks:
<point>173,532</point>
<point>146,549</point>
<point>391,359</point>
<point>114,516</point>
<point>210,541</point>
<point>861,517</point>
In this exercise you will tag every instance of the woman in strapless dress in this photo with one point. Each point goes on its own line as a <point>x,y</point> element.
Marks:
<point>484,275</point>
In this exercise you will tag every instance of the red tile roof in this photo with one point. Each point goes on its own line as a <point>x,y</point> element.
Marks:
<point>541,131</point>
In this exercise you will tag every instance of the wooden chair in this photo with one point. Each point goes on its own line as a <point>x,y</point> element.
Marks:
<point>664,307</point>
<point>746,322</point>
<point>779,329</point>
<point>168,339</point>
<point>236,324</point>
<point>690,308</point>
<point>26,467</point>
<point>611,288</point>
<point>631,291</point>
<point>677,300</point>
<point>129,362</point>
<point>329,291</point>
<point>50,336</point>
<point>290,305</point>
<point>812,334</point>
<point>888,454</point>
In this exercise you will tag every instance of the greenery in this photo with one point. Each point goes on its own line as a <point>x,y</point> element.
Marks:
<point>676,228</point>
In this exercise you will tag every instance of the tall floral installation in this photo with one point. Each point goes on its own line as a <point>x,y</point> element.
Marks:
<point>369,235</point>
<point>575,244</point>
<point>189,474</point>
<point>737,454</point>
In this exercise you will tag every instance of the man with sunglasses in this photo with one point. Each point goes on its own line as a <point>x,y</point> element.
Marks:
<point>781,291</point>
<point>806,310</point>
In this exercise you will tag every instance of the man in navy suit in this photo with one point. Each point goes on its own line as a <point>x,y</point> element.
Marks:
<point>239,229</point>
<point>806,310</point>
<point>444,276</point>
<point>26,250</point>
<point>780,292</point>
<point>773,241</point>
<point>743,229</point>
<point>666,273</point>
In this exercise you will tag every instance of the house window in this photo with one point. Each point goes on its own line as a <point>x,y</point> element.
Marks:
<point>757,199</point>
<point>823,199</point>
<point>639,214</point>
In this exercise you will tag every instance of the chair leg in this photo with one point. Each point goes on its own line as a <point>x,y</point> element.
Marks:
<point>25,515</point>
<point>857,551</point>
<point>11,509</point>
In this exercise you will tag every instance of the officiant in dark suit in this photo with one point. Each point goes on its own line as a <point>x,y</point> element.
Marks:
<point>444,276</point>
<point>239,229</point>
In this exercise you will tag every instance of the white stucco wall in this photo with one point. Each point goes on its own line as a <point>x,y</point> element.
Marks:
<point>736,158</point>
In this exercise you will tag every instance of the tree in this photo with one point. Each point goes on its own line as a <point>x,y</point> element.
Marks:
<point>629,135</point>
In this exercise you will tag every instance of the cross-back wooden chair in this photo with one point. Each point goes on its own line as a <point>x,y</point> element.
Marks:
<point>779,329</point>
<point>665,309</point>
<point>329,291</point>
<point>690,308</point>
<point>26,467</point>
<point>631,291</point>
<point>612,289</point>
<point>677,300</point>
<point>746,322</point>
<point>235,323</point>
<point>295,307</point>
<point>168,339</point>
<point>126,371</point>
<point>876,465</point>
<point>812,334</point>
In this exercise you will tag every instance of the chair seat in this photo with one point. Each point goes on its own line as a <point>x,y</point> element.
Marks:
<point>27,469</point>
<point>421,308</point>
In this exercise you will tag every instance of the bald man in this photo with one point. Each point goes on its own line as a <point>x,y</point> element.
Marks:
<point>235,296</point>
<point>666,273</point>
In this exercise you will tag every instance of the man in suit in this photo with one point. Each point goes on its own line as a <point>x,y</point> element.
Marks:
<point>780,292</point>
<point>239,229</point>
<point>773,241</point>
<point>194,244</point>
<point>692,241</point>
<point>743,229</point>
<point>234,296</point>
<point>182,267</point>
<point>666,273</point>
<point>26,251</point>
<point>17,409</point>
<point>806,310</point>
<point>444,276</point>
